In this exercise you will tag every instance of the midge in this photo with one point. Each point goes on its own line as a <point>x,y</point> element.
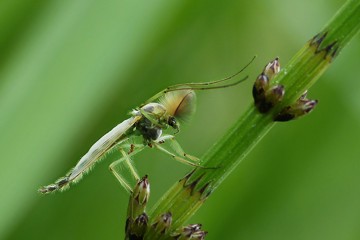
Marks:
<point>147,122</point>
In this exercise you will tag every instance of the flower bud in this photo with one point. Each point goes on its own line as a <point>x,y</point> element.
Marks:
<point>265,96</point>
<point>272,68</point>
<point>192,231</point>
<point>301,107</point>
<point>136,229</point>
<point>142,191</point>
<point>275,94</point>
<point>261,85</point>
<point>272,97</point>
<point>163,223</point>
<point>139,198</point>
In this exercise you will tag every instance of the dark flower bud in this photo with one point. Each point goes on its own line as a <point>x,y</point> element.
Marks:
<point>192,231</point>
<point>300,108</point>
<point>265,96</point>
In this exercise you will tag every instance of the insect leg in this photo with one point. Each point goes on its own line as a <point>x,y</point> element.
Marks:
<point>176,147</point>
<point>150,117</point>
<point>130,165</point>
<point>177,158</point>
<point>125,159</point>
<point>118,176</point>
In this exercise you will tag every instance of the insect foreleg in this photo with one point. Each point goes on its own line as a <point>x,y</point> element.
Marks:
<point>176,147</point>
<point>176,157</point>
<point>150,116</point>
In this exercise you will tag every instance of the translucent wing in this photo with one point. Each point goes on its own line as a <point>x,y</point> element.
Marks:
<point>95,153</point>
<point>101,147</point>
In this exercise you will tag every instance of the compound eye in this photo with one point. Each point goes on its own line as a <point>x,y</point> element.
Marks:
<point>172,122</point>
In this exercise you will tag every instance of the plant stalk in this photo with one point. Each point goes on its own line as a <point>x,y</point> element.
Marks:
<point>303,70</point>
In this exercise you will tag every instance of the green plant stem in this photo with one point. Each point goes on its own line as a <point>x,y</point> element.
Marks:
<point>303,70</point>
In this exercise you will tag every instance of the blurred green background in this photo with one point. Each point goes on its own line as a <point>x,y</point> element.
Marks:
<point>71,70</point>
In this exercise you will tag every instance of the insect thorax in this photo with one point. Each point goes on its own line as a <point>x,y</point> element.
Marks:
<point>148,130</point>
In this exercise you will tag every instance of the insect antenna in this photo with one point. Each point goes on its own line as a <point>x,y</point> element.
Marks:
<point>202,85</point>
<point>187,87</point>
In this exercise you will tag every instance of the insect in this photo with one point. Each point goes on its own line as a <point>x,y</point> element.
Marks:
<point>162,111</point>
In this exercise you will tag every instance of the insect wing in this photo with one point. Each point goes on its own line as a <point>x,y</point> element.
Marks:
<point>102,146</point>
